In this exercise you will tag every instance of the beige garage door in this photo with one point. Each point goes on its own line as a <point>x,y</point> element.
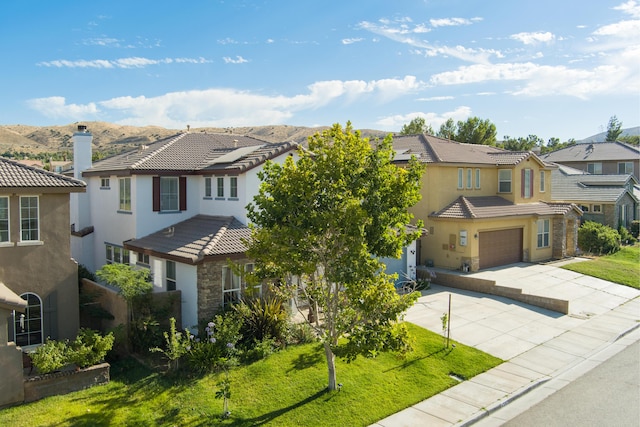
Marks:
<point>500,247</point>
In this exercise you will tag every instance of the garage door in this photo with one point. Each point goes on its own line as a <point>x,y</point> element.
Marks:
<point>500,247</point>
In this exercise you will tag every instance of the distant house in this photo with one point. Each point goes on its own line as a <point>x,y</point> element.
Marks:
<point>35,252</point>
<point>485,207</point>
<point>32,163</point>
<point>599,158</point>
<point>176,207</point>
<point>60,166</point>
<point>606,199</point>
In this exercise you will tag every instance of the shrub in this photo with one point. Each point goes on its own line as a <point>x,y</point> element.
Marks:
<point>260,350</point>
<point>635,228</point>
<point>90,348</point>
<point>262,319</point>
<point>177,345</point>
<point>301,333</point>
<point>598,239</point>
<point>626,237</point>
<point>51,356</point>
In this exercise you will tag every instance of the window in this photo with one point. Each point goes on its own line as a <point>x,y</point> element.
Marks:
<point>170,275</point>
<point>594,168</point>
<point>527,183</point>
<point>125,194</point>
<point>29,223</point>
<point>220,184</point>
<point>104,182</point>
<point>504,181</point>
<point>543,233</point>
<point>584,208</point>
<point>27,327</point>
<point>460,178</point>
<point>143,259</point>
<point>233,191</point>
<point>477,178</point>
<point>4,219</point>
<point>230,287</point>
<point>596,209</point>
<point>469,178</point>
<point>542,182</point>
<point>117,254</point>
<point>168,193</point>
<point>207,187</point>
<point>625,168</point>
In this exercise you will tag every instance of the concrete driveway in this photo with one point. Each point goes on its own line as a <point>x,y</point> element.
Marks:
<point>538,345</point>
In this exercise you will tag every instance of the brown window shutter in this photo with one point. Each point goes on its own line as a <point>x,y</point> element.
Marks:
<point>522,183</point>
<point>183,193</point>
<point>156,194</point>
<point>531,184</point>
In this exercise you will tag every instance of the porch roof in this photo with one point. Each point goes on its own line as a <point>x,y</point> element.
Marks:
<point>497,207</point>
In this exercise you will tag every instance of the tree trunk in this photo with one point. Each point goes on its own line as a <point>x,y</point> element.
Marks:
<point>331,366</point>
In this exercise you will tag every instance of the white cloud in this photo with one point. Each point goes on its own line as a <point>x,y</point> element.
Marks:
<point>131,62</point>
<point>102,41</point>
<point>352,40</point>
<point>435,120</point>
<point>227,107</point>
<point>631,7</point>
<point>449,22</point>
<point>236,60</point>
<point>436,98</point>
<point>533,38</point>
<point>623,29</point>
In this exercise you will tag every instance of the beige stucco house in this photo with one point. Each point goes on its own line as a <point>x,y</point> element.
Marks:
<point>35,252</point>
<point>485,207</point>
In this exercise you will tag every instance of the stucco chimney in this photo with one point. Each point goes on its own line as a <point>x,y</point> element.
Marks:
<point>82,151</point>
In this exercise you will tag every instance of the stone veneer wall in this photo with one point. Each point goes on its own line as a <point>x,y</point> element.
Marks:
<point>58,383</point>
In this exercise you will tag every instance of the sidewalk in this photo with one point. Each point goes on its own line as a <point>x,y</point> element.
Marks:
<point>537,345</point>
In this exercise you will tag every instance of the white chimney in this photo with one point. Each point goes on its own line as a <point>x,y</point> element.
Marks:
<point>79,203</point>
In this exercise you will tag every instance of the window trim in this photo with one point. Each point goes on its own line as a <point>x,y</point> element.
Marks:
<point>230,295</point>
<point>626,171</point>
<point>598,210</point>
<point>167,186</point>
<point>477,177</point>
<point>124,195</point>
<point>543,183</point>
<point>6,221</point>
<point>220,187</point>
<point>207,187</point>
<point>543,235</point>
<point>233,188</point>
<point>469,183</point>
<point>116,254</point>
<point>143,259</point>
<point>105,183</point>
<point>501,181</point>
<point>26,322</point>
<point>596,168</point>
<point>460,178</point>
<point>170,282</point>
<point>37,221</point>
<point>527,183</point>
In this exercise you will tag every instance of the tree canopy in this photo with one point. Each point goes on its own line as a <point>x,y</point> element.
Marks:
<point>614,129</point>
<point>326,219</point>
<point>417,126</point>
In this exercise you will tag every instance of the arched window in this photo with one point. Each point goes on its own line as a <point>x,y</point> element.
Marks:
<point>27,327</point>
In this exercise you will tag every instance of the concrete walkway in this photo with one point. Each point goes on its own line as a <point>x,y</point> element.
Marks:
<point>537,345</point>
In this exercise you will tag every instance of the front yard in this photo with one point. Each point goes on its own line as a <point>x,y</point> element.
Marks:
<point>622,267</point>
<point>286,389</point>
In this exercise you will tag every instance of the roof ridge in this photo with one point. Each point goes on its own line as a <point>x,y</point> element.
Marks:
<point>216,238</point>
<point>158,151</point>
<point>43,172</point>
<point>466,204</point>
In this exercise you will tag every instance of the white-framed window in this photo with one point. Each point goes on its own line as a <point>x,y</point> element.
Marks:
<point>233,187</point>
<point>169,194</point>
<point>231,286</point>
<point>4,219</point>
<point>170,275</point>
<point>527,175</point>
<point>27,326</point>
<point>596,208</point>
<point>543,233</point>
<point>117,254</point>
<point>477,179</point>
<point>460,178</point>
<point>207,187</point>
<point>29,219</point>
<point>625,168</point>
<point>469,178</point>
<point>220,187</point>
<point>142,259</point>
<point>125,194</point>
<point>542,182</point>
<point>594,168</point>
<point>105,182</point>
<point>504,181</point>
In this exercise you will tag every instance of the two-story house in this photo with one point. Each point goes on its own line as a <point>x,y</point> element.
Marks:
<point>176,207</point>
<point>484,207</point>
<point>35,252</point>
<point>599,158</point>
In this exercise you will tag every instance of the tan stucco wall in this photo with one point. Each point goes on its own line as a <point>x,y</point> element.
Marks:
<point>47,269</point>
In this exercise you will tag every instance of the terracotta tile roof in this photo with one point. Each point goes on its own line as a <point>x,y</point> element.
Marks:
<point>593,152</point>
<point>193,152</point>
<point>496,207</point>
<point>431,149</point>
<point>16,175</point>
<point>195,238</point>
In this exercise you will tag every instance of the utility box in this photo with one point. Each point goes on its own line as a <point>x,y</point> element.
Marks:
<point>463,237</point>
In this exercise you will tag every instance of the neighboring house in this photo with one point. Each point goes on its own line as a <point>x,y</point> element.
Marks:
<point>599,158</point>
<point>177,207</point>
<point>484,207</point>
<point>35,252</point>
<point>60,166</point>
<point>32,163</point>
<point>606,199</point>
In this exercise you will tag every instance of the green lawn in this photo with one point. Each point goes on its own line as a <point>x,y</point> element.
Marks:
<point>286,389</point>
<point>623,267</point>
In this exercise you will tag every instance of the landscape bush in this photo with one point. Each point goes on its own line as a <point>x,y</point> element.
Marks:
<point>626,237</point>
<point>596,238</point>
<point>261,319</point>
<point>50,356</point>
<point>635,228</point>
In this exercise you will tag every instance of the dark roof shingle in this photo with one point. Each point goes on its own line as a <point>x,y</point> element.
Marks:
<point>16,175</point>
<point>496,207</point>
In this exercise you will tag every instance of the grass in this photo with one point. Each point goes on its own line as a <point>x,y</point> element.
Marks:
<point>623,267</point>
<point>286,389</point>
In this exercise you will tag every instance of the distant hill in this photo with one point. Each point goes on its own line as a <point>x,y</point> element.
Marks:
<point>600,137</point>
<point>113,137</point>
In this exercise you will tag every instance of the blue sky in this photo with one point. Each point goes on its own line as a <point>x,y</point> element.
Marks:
<point>552,68</point>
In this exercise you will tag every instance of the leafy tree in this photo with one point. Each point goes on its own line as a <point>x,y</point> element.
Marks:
<point>447,129</point>
<point>614,129</point>
<point>476,131</point>
<point>417,126</point>
<point>132,283</point>
<point>522,144</point>
<point>630,139</point>
<point>326,219</point>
